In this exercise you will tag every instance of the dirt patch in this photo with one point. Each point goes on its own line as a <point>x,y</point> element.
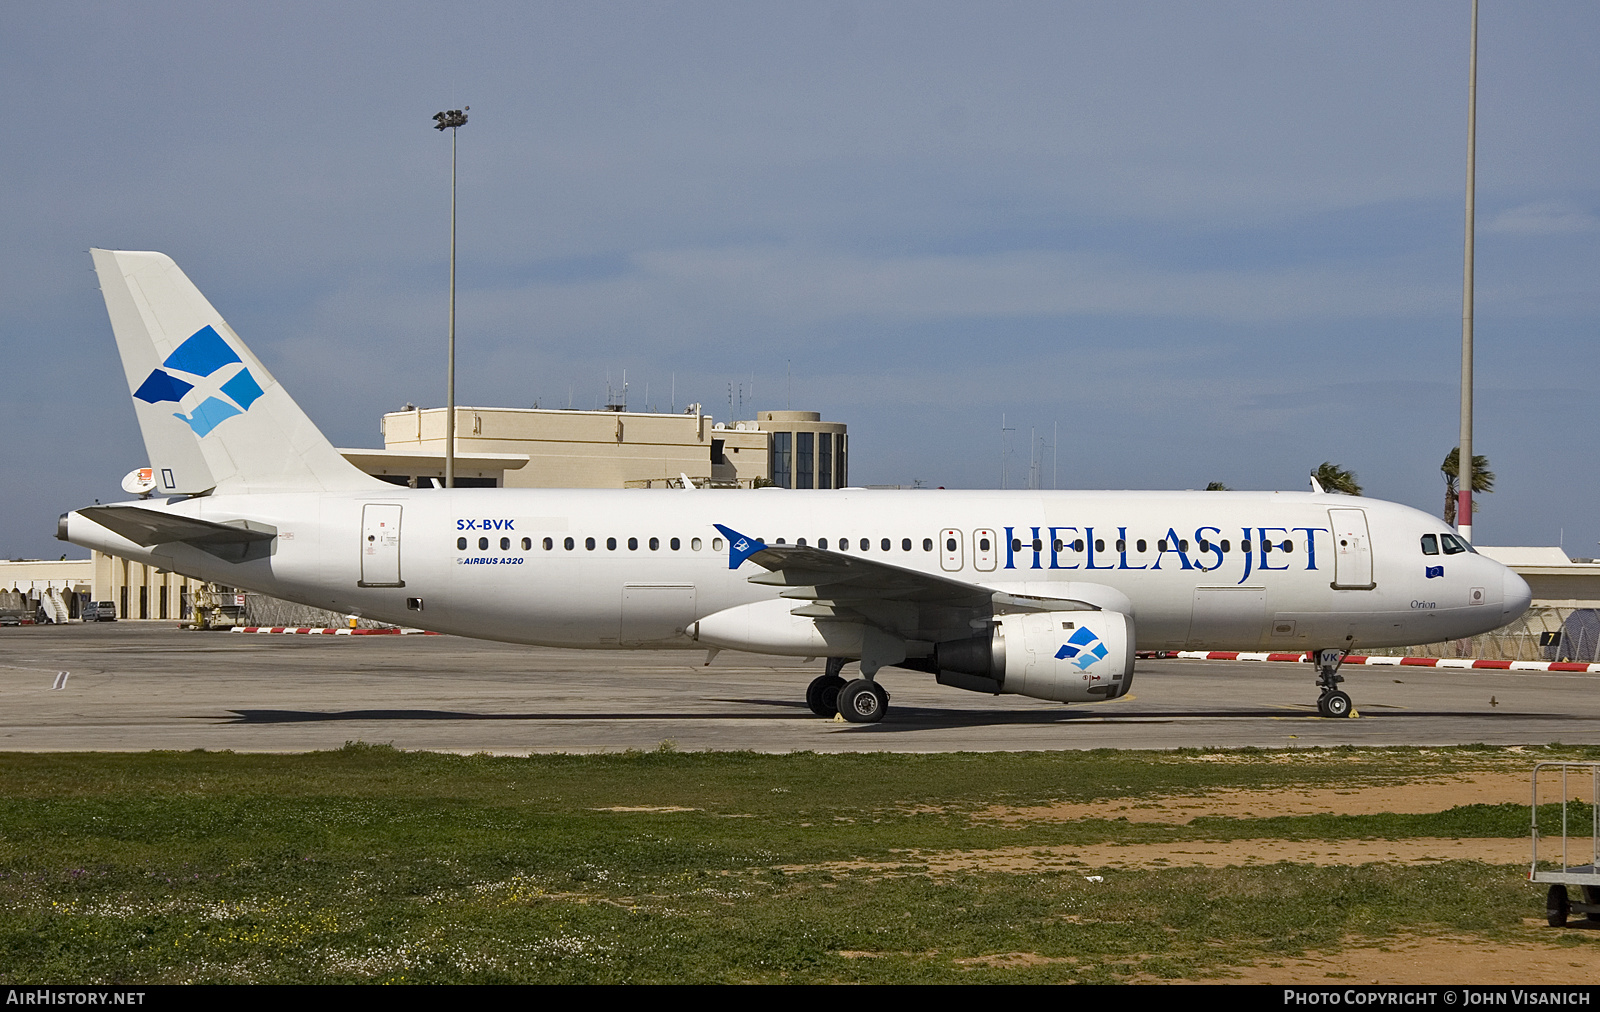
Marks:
<point>1214,854</point>
<point>1441,960</point>
<point>1481,788</point>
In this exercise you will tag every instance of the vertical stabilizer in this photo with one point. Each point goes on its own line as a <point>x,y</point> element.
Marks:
<point>211,414</point>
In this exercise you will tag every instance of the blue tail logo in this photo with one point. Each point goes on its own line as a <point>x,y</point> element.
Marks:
<point>203,355</point>
<point>740,547</point>
<point>1082,648</point>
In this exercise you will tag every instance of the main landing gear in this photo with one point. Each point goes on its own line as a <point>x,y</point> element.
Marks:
<point>862,701</point>
<point>1331,702</point>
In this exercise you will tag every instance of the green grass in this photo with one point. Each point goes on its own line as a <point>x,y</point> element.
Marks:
<point>369,864</point>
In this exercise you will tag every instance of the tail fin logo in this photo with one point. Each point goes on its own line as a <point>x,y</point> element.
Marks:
<point>204,356</point>
<point>1082,648</point>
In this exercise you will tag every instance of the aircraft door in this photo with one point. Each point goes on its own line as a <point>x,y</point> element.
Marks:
<point>1352,550</point>
<point>951,556</point>
<point>985,550</point>
<point>380,546</point>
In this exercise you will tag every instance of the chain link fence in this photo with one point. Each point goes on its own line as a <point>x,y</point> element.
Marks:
<point>1541,634</point>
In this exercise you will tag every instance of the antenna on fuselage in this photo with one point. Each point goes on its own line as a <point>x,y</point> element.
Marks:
<point>1316,486</point>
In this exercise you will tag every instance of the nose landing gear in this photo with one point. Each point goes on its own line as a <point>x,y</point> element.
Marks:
<point>1331,702</point>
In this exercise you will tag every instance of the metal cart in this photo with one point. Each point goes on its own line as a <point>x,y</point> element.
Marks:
<point>1571,777</point>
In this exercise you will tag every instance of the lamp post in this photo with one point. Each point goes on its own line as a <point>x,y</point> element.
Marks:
<point>451,120</point>
<point>1464,468</point>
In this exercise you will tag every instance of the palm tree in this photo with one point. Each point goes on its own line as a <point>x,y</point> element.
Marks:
<point>1482,481</point>
<point>1217,486</point>
<point>1334,478</point>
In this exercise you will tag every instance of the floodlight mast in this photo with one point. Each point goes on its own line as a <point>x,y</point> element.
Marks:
<point>451,120</point>
<point>1464,456</point>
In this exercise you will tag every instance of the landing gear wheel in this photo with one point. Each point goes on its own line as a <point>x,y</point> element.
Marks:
<point>822,695</point>
<point>863,702</point>
<point>1334,704</point>
<point>1556,906</point>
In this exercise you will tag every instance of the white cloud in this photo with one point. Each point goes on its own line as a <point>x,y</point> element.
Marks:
<point>1549,218</point>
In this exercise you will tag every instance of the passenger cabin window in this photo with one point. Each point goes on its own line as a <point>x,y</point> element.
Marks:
<point>567,544</point>
<point>527,544</point>
<point>633,544</point>
<point>483,544</point>
<point>905,544</point>
<point>927,544</point>
<point>1430,544</point>
<point>694,544</point>
<point>588,543</point>
<point>655,544</point>
<point>505,544</point>
<point>884,544</point>
<point>716,544</point>
<point>461,544</point>
<point>866,545</point>
<point>822,542</point>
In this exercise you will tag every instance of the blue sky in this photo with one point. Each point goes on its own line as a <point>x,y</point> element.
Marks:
<point>1208,241</point>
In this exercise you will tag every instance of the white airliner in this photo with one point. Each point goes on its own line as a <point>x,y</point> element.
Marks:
<point>1043,594</point>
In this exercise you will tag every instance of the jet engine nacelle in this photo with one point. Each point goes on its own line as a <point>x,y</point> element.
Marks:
<point>1068,656</point>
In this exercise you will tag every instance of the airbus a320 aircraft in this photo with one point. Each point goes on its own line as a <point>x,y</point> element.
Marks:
<point>1043,594</point>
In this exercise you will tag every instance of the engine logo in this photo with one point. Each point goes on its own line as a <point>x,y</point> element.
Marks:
<point>1082,648</point>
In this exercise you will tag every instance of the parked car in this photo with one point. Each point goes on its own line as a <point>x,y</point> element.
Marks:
<point>12,616</point>
<point>100,611</point>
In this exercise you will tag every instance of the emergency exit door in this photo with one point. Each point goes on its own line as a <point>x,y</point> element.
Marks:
<point>380,546</point>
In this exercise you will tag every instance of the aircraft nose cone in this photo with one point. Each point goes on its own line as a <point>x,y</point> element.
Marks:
<point>1517,595</point>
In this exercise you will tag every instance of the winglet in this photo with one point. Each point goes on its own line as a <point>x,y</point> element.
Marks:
<point>740,547</point>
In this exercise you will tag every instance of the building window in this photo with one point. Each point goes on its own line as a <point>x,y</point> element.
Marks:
<point>144,601</point>
<point>824,460</point>
<point>803,468</point>
<point>840,476</point>
<point>781,475</point>
<point>162,601</point>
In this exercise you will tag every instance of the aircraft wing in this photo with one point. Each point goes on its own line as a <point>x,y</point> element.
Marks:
<point>916,605</point>
<point>148,527</point>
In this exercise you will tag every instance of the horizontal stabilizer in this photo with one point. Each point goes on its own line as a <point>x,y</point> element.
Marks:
<point>146,527</point>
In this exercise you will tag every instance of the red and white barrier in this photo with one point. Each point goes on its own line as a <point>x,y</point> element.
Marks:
<point>1402,662</point>
<point>284,630</point>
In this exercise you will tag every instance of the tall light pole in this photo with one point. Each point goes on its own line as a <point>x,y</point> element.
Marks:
<point>1464,467</point>
<point>452,120</point>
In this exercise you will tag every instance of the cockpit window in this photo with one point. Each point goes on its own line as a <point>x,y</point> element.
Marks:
<point>1451,545</point>
<point>1430,544</point>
